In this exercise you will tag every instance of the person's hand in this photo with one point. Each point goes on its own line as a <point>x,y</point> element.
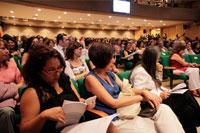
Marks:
<point>159,67</point>
<point>54,114</point>
<point>152,98</point>
<point>164,95</point>
<point>91,102</point>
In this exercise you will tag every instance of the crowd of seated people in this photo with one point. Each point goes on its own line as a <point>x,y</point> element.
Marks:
<point>48,65</point>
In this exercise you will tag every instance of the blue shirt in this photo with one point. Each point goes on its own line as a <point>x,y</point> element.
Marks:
<point>112,90</point>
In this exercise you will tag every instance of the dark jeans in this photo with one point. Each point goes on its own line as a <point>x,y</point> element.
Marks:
<point>7,120</point>
<point>186,109</point>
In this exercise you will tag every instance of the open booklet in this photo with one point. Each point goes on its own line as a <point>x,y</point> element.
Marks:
<point>178,89</point>
<point>74,111</point>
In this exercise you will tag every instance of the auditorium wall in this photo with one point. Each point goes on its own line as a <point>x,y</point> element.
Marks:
<point>191,30</point>
<point>52,32</point>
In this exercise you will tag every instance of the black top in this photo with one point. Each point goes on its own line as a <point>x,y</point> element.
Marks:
<point>49,98</point>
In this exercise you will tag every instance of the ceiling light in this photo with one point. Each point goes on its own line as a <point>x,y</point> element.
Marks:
<point>12,12</point>
<point>36,15</point>
<point>128,18</point>
<point>164,24</point>
<point>13,16</point>
<point>74,21</point>
<point>62,27</point>
<point>117,21</point>
<point>132,23</point>
<point>161,21</point>
<point>30,25</point>
<point>55,20</point>
<point>59,17</point>
<point>92,22</point>
<point>100,20</point>
<point>39,10</point>
<point>149,23</point>
<point>80,19</point>
<point>34,18</point>
<point>109,16</point>
<point>145,20</point>
<point>65,12</point>
<point>88,15</point>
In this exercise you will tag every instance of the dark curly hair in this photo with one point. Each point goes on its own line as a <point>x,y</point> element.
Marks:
<point>70,50</point>
<point>37,60</point>
<point>100,54</point>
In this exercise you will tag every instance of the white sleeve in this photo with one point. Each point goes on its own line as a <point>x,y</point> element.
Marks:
<point>69,71</point>
<point>140,80</point>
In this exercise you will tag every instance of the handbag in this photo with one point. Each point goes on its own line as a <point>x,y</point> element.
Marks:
<point>147,110</point>
<point>143,108</point>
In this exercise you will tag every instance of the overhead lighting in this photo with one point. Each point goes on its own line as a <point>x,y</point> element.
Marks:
<point>100,20</point>
<point>117,21</point>
<point>88,15</point>
<point>132,23</point>
<point>11,12</point>
<point>92,22</point>
<point>145,20</point>
<point>59,17</point>
<point>39,10</point>
<point>30,25</point>
<point>36,15</point>
<point>161,21</point>
<point>34,18</point>
<point>109,16</point>
<point>80,19</point>
<point>62,27</point>
<point>74,21</point>
<point>55,20</point>
<point>128,18</point>
<point>13,16</point>
<point>149,23</point>
<point>65,12</point>
<point>164,24</point>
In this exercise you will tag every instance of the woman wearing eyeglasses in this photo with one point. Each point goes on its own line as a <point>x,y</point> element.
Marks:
<point>48,87</point>
<point>106,86</point>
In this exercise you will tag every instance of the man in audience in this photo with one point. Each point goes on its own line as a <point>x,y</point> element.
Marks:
<point>62,43</point>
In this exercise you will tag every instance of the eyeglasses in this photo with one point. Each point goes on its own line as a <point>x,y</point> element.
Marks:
<point>2,48</point>
<point>54,70</point>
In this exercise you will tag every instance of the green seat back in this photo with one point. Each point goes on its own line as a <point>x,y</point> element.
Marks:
<point>75,85</point>
<point>195,58</point>
<point>80,87</point>
<point>124,75</point>
<point>187,58</point>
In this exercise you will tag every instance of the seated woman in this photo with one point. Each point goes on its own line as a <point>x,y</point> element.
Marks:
<point>106,86</point>
<point>10,81</point>
<point>48,87</point>
<point>75,67</point>
<point>177,61</point>
<point>31,43</point>
<point>184,105</point>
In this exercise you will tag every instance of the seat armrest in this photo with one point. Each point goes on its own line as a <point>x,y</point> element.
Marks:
<point>169,68</point>
<point>98,113</point>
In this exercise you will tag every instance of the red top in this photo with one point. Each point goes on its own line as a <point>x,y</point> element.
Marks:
<point>177,65</point>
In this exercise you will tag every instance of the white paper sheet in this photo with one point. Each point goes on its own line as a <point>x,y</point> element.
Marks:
<point>179,89</point>
<point>94,126</point>
<point>73,112</point>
